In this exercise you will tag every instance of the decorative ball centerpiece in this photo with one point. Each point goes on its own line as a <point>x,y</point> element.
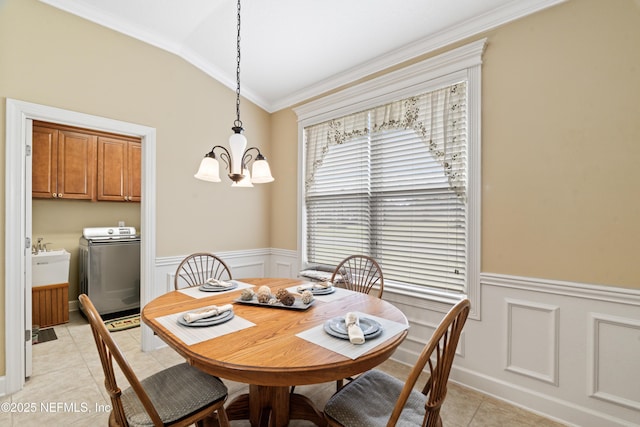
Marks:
<point>285,297</point>
<point>307,297</point>
<point>247,295</point>
<point>264,294</point>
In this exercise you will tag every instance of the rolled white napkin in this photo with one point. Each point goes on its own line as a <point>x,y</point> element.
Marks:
<point>210,311</point>
<point>317,285</point>
<point>356,336</point>
<point>215,282</point>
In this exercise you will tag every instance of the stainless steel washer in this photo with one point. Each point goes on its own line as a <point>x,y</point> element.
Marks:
<point>109,269</point>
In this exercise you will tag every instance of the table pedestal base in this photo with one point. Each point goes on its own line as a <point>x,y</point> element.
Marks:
<point>267,406</point>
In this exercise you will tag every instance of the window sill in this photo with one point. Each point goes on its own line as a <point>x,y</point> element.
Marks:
<point>440,300</point>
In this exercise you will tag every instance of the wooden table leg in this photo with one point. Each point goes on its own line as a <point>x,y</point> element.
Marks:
<point>273,407</point>
<point>302,408</point>
<point>268,402</point>
<point>238,409</point>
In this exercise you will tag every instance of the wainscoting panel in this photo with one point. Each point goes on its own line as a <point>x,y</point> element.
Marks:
<point>532,340</point>
<point>591,377</point>
<point>614,349</point>
<point>256,268</point>
<point>419,333</point>
<point>254,263</point>
<point>283,264</point>
<point>568,351</point>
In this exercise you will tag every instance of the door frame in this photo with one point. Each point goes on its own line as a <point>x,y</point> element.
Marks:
<point>18,200</point>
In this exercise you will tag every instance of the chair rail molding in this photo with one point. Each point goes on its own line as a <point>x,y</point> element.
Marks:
<point>559,287</point>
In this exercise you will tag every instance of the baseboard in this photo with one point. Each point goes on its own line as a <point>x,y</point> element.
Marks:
<point>565,412</point>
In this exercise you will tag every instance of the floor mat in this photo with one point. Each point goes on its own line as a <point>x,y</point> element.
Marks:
<point>44,335</point>
<point>122,323</point>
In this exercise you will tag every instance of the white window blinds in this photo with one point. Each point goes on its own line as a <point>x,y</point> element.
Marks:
<point>390,182</point>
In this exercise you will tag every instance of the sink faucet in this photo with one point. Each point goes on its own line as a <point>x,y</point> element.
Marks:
<point>39,247</point>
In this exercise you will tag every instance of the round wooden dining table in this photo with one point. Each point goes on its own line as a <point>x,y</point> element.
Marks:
<point>269,356</point>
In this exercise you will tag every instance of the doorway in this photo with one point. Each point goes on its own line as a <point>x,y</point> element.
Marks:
<point>18,205</point>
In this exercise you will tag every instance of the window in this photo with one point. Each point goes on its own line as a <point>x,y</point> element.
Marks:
<point>392,171</point>
<point>390,183</point>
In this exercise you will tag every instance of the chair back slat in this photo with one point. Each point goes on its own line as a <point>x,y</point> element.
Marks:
<point>198,267</point>
<point>438,355</point>
<point>359,273</point>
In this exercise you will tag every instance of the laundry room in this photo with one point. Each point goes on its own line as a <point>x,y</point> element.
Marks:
<point>81,179</point>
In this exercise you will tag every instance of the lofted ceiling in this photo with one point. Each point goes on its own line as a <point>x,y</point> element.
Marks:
<point>296,49</point>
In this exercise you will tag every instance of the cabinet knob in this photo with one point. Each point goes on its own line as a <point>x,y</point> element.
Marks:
<point>60,195</point>
<point>54,195</point>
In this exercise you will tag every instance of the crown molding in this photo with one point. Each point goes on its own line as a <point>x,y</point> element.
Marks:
<point>487,21</point>
<point>429,74</point>
<point>510,12</point>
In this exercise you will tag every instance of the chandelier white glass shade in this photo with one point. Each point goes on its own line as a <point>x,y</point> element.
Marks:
<point>236,160</point>
<point>238,157</point>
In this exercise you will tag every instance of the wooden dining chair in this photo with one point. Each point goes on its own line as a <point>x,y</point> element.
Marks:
<point>198,267</point>
<point>359,273</point>
<point>378,399</point>
<point>177,396</point>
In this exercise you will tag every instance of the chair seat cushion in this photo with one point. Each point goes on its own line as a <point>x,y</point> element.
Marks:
<point>368,401</point>
<point>175,392</point>
<point>319,275</point>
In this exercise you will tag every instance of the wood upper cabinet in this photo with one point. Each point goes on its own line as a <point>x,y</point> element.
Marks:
<point>63,164</point>
<point>119,169</point>
<point>74,163</point>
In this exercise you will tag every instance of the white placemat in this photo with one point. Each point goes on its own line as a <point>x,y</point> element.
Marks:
<point>192,335</point>
<point>339,293</point>
<point>195,292</point>
<point>318,336</point>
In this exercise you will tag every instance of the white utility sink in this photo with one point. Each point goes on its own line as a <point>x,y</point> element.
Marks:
<point>50,268</point>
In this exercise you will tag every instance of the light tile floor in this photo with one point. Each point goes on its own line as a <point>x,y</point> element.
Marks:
<point>66,388</point>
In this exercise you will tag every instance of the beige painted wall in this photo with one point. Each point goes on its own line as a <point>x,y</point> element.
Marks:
<point>284,208</point>
<point>561,146</point>
<point>53,58</point>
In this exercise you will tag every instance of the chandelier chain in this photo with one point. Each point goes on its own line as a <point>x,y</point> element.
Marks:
<point>238,122</point>
<point>238,158</point>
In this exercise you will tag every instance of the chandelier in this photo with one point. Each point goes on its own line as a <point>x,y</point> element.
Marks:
<point>238,159</point>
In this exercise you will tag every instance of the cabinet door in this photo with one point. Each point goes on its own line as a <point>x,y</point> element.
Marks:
<point>112,167</point>
<point>135,171</point>
<point>44,158</point>
<point>119,174</point>
<point>76,160</point>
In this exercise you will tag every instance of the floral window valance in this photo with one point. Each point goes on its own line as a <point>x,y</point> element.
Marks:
<point>438,117</point>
